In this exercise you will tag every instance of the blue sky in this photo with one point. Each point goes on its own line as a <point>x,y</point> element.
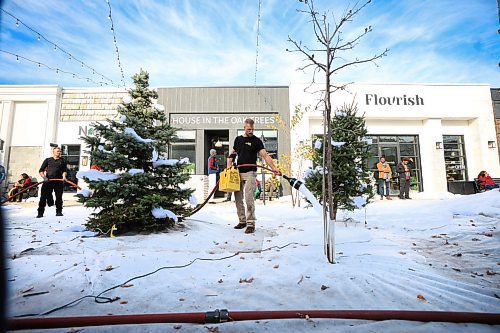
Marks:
<point>213,43</point>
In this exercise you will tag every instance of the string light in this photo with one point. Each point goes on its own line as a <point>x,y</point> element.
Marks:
<point>110,17</point>
<point>56,47</point>
<point>266,101</point>
<point>57,70</point>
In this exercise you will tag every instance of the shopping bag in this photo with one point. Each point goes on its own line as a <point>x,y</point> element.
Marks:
<point>229,180</point>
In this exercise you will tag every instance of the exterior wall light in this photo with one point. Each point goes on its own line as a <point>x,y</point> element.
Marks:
<point>439,145</point>
<point>85,160</point>
<point>491,144</point>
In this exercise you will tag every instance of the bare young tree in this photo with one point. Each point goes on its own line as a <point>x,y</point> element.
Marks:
<point>328,57</point>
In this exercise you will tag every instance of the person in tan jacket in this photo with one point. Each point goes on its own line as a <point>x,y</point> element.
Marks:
<point>384,178</point>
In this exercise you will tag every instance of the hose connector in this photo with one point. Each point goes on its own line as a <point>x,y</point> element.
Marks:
<point>217,316</point>
<point>293,182</point>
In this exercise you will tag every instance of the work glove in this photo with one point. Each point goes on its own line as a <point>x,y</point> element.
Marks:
<point>45,180</point>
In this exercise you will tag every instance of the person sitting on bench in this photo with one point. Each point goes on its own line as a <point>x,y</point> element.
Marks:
<point>20,185</point>
<point>486,181</point>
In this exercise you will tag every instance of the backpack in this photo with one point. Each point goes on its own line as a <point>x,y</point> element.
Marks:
<point>375,174</point>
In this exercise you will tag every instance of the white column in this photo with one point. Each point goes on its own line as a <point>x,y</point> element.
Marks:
<point>432,159</point>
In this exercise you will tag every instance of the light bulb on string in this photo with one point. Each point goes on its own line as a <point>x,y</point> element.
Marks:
<point>39,38</point>
<point>55,47</point>
<point>82,64</point>
<point>93,72</point>
<point>17,23</point>
<point>17,58</point>
<point>57,70</point>
<point>109,17</point>
<point>74,76</point>
<point>39,66</point>
<point>69,58</point>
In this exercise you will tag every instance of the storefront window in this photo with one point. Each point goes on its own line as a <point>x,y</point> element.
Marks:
<point>454,157</point>
<point>71,153</point>
<point>185,146</point>
<point>394,148</point>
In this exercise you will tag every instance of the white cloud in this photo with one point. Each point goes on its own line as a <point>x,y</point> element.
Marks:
<point>204,42</point>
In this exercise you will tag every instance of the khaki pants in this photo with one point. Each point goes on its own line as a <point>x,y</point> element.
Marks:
<point>247,192</point>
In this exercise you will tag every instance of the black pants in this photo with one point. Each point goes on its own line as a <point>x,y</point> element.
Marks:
<point>46,196</point>
<point>404,188</point>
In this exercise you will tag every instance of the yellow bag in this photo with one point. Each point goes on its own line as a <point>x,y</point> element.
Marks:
<point>229,180</point>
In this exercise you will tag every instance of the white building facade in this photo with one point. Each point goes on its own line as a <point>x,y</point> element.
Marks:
<point>449,130</point>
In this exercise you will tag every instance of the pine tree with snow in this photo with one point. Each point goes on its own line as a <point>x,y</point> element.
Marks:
<point>350,153</point>
<point>135,188</point>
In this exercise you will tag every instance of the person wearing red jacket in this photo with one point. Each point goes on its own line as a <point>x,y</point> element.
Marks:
<point>486,181</point>
<point>20,185</point>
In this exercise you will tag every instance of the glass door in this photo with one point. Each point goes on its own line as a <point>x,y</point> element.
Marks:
<point>390,151</point>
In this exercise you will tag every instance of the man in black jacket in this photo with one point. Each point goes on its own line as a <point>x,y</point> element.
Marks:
<point>52,168</point>
<point>404,169</point>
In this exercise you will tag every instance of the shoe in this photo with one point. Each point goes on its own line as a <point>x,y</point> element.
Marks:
<point>402,198</point>
<point>240,226</point>
<point>381,197</point>
<point>249,230</point>
<point>39,215</point>
<point>407,198</point>
<point>388,198</point>
<point>59,214</point>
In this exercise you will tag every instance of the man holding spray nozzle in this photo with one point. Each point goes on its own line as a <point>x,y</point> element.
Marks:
<point>246,147</point>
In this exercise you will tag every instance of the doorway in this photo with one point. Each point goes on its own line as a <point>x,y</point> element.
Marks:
<point>218,140</point>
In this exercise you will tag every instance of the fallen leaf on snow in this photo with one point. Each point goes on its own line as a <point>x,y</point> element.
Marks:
<point>241,242</point>
<point>214,329</point>
<point>109,268</point>
<point>242,258</point>
<point>276,266</point>
<point>123,302</point>
<point>402,252</point>
<point>177,327</point>
<point>220,281</point>
<point>456,269</point>
<point>491,272</point>
<point>323,287</point>
<point>421,297</point>
<point>250,280</point>
<point>127,285</point>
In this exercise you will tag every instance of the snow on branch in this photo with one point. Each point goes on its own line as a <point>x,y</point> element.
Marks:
<point>95,175</point>
<point>136,136</point>
<point>161,213</point>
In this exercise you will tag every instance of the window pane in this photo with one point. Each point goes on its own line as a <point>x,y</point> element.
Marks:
<point>387,139</point>
<point>186,136</point>
<point>182,151</point>
<point>407,150</point>
<point>406,139</point>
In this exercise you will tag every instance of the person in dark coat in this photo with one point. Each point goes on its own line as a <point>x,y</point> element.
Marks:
<point>405,172</point>
<point>54,167</point>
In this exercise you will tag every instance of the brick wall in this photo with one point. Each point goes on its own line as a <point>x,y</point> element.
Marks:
<point>89,106</point>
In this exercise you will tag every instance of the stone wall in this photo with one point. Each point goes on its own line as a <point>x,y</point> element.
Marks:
<point>24,159</point>
<point>497,126</point>
<point>89,106</point>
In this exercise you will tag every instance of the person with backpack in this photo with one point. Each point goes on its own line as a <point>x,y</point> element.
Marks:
<point>384,178</point>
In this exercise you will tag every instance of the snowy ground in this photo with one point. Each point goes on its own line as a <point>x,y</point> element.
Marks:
<point>421,254</point>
